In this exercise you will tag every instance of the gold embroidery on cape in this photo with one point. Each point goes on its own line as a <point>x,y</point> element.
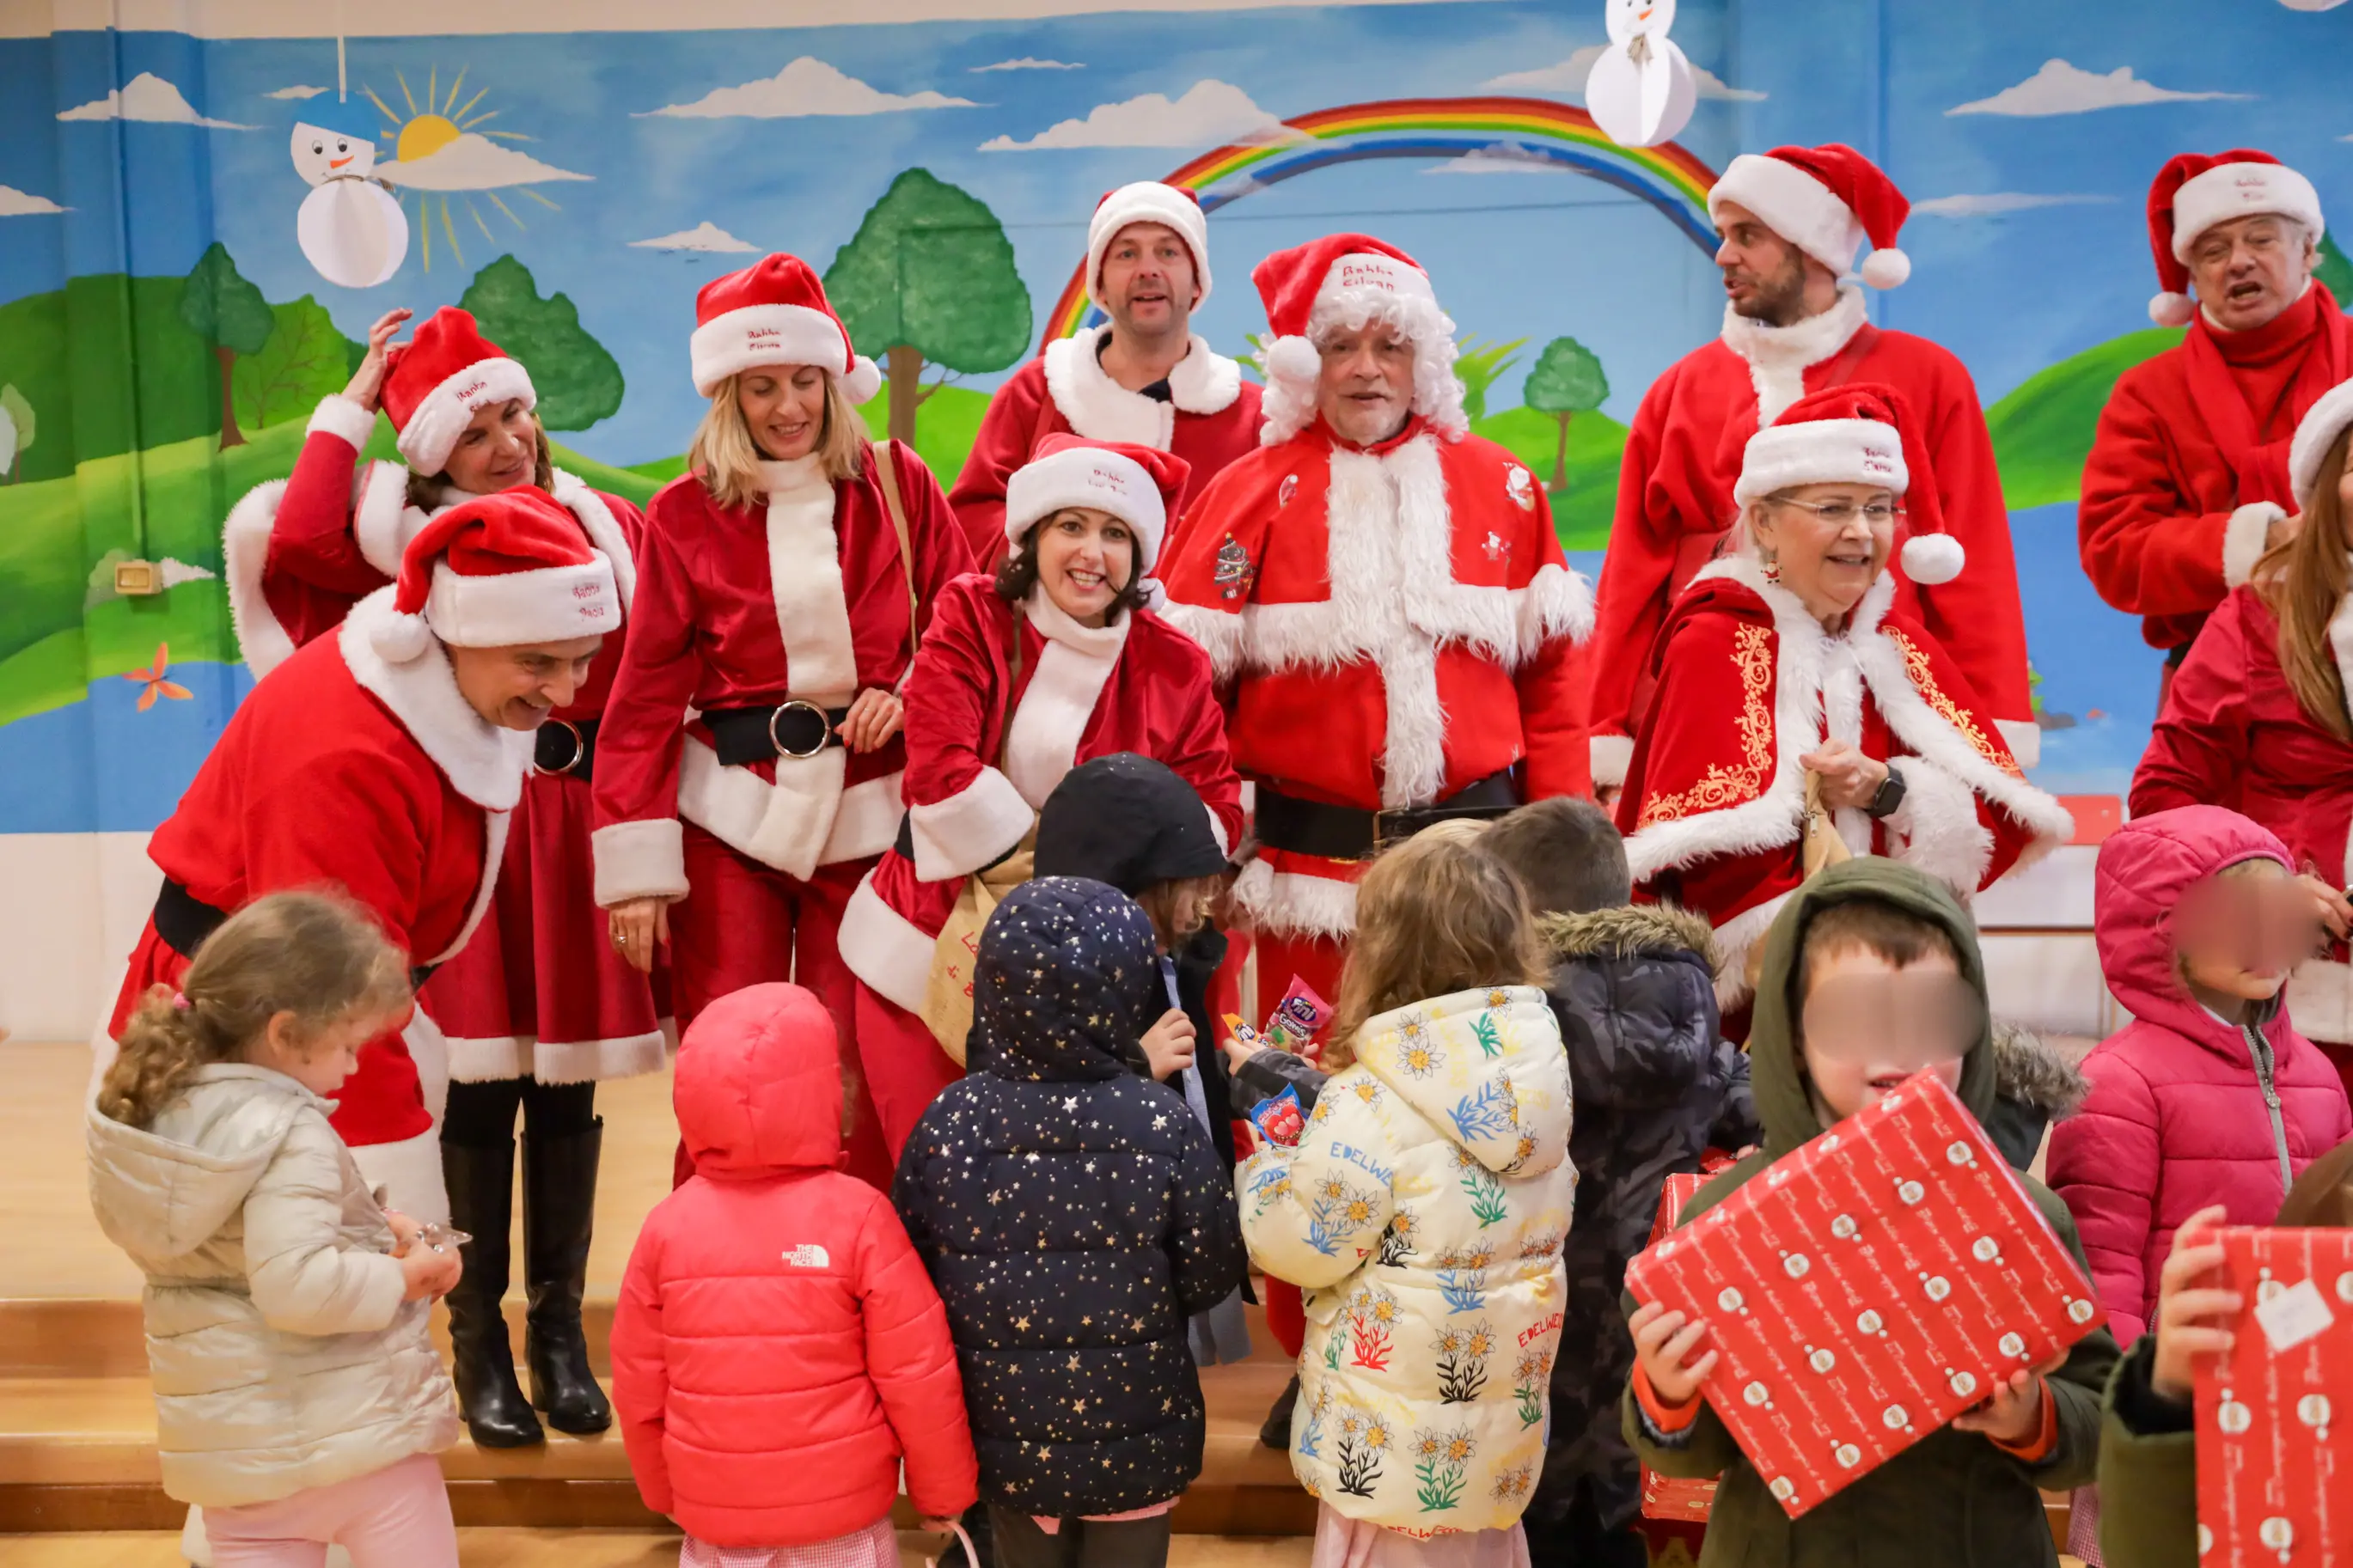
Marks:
<point>1720,787</point>
<point>1915,666</point>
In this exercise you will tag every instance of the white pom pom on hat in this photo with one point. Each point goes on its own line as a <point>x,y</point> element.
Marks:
<point>1933,558</point>
<point>1887,268</point>
<point>1292,358</point>
<point>2172,310</point>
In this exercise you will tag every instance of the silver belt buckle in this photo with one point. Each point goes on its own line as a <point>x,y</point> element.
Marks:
<point>824,727</point>
<point>579,747</point>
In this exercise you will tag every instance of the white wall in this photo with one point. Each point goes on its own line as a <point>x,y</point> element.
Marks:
<point>71,905</point>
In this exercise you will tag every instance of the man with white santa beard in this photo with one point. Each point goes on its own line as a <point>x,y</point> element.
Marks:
<point>1790,224</point>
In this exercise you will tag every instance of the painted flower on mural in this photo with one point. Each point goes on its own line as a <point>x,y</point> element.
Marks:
<point>157,685</point>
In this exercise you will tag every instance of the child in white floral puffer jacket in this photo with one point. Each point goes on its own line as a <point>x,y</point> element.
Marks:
<point>1424,1207</point>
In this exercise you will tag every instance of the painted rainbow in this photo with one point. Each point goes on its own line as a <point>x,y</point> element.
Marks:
<point>1533,129</point>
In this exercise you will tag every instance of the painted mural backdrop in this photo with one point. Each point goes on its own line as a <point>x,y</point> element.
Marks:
<point>162,339</point>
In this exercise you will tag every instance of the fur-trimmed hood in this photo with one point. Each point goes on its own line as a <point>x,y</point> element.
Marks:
<point>1628,930</point>
<point>2032,1073</point>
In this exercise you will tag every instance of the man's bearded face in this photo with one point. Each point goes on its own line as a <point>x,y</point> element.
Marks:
<point>1364,388</point>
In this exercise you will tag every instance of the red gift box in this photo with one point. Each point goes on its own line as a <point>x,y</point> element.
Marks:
<point>1864,1291</point>
<point>2274,1474</point>
<point>1668,1496</point>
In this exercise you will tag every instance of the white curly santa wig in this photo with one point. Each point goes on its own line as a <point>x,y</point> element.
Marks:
<point>1346,283</point>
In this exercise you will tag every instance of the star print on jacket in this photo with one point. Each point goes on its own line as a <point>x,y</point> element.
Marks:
<point>1072,1215</point>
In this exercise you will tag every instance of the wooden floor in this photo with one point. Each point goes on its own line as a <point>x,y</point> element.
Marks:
<point>587,1549</point>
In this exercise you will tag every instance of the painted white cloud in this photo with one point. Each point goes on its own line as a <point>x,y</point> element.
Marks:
<point>1991,202</point>
<point>472,163</point>
<point>807,86</point>
<point>15,202</point>
<point>1028,64</point>
<point>149,98</point>
<point>1210,113</point>
<point>1502,158</point>
<point>2062,88</point>
<point>296,92</point>
<point>1568,76</point>
<point>2316,5</point>
<point>705,236</point>
<point>176,573</point>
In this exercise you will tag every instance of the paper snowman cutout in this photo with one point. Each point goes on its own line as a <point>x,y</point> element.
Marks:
<point>351,228</point>
<point>1641,90</point>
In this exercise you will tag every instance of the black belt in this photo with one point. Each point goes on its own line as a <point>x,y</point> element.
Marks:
<point>794,729</point>
<point>184,920</point>
<point>1344,832</point>
<point>564,747</point>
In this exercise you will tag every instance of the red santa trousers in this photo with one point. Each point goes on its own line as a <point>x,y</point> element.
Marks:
<point>906,1068</point>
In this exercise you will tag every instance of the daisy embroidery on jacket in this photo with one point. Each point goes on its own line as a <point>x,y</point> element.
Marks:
<point>1372,1325</point>
<point>1364,1438</point>
<point>1440,1459</point>
<point>1529,1382</point>
<point>1417,1050</point>
<point>1462,1363</point>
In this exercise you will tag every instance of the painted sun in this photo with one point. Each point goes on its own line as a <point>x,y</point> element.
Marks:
<point>423,131</point>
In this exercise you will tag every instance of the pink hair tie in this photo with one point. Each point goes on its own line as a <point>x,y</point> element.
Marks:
<point>180,1000</point>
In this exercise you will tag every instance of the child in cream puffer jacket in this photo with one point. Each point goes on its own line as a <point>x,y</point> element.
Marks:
<point>298,1397</point>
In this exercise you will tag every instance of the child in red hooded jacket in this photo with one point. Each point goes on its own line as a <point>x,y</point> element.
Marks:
<point>778,1347</point>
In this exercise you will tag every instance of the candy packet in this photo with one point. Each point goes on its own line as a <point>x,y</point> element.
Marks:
<point>1293,1025</point>
<point>1279,1120</point>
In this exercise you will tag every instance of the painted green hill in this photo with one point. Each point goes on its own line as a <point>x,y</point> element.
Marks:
<point>2043,430</point>
<point>1582,509</point>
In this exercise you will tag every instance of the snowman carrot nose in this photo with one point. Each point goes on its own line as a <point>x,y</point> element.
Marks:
<point>337,163</point>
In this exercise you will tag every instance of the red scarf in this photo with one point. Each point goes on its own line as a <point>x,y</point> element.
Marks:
<point>2287,362</point>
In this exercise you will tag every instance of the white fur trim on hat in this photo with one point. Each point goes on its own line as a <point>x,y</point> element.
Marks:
<point>1087,477</point>
<point>1795,206</point>
<point>731,344</point>
<point>1933,558</point>
<point>1821,452</point>
<point>550,604</point>
<point>435,423</point>
<point>2229,191</point>
<point>2315,433</point>
<point>1147,200</point>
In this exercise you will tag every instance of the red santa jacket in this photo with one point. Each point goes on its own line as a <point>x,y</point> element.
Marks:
<point>343,769</point>
<point>1675,503</point>
<point>1392,625</point>
<point>1747,683</point>
<point>2233,733</point>
<point>973,790</point>
<point>2167,523</point>
<point>806,597</point>
<point>1211,418</point>
<point>302,550</point>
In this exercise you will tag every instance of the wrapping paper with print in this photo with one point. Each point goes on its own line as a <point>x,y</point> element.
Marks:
<point>1669,1497</point>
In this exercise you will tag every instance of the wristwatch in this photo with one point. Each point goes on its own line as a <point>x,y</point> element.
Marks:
<point>1890,796</point>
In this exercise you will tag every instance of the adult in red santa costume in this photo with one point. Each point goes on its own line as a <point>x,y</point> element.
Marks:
<point>1790,223</point>
<point>1791,656</point>
<point>2187,484</point>
<point>1144,378</point>
<point>1051,662</point>
<point>537,1007</point>
<point>781,584</point>
<point>2257,715</point>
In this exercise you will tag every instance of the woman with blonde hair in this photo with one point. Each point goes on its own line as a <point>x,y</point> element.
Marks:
<point>784,583</point>
<point>2256,718</point>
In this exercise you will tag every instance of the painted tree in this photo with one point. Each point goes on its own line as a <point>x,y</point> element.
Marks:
<point>220,306</point>
<point>2334,272</point>
<point>929,275</point>
<point>1478,366</point>
<point>17,428</point>
<point>303,361</point>
<point>578,381</point>
<point>1567,381</point>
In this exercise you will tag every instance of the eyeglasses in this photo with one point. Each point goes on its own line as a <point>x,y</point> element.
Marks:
<point>1839,514</point>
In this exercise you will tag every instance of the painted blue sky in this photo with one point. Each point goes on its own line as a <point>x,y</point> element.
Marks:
<point>1514,255</point>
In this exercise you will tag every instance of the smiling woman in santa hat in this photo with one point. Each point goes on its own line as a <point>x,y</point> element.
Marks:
<point>784,581</point>
<point>1052,663</point>
<point>537,1007</point>
<point>1786,669</point>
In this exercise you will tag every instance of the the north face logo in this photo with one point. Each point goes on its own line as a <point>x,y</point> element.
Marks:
<point>808,1255</point>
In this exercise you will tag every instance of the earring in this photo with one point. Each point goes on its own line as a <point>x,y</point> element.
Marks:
<point>1771,561</point>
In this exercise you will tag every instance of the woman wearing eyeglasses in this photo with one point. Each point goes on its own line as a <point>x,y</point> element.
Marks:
<point>1787,680</point>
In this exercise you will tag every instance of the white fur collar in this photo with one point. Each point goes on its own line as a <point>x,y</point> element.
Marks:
<point>804,581</point>
<point>1042,744</point>
<point>1779,356</point>
<point>604,530</point>
<point>1056,625</point>
<point>1100,409</point>
<point>484,761</point>
<point>1789,613</point>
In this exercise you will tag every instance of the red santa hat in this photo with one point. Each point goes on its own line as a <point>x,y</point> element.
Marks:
<point>1148,201</point>
<point>436,383</point>
<point>1859,434</point>
<point>774,312</point>
<point>2194,192</point>
<point>1139,485</point>
<point>500,571</point>
<point>2316,432</point>
<point>1826,201</point>
<point>1352,278</point>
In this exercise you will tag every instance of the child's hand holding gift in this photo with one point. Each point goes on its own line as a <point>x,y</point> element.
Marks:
<point>1663,1343</point>
<point>2192,1320</point>
<point>2014,1414</point>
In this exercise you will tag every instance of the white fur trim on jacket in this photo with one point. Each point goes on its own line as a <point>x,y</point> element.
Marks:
<point>1287,903</point>
<point>1793,204</point>
<point>604,531</point>
<point>2320,1000</point>
<point>1042,743</point>
<point>1101,409</point>
<point>2230,191</point>
<point>2024,739</point>
<point>502,1057</point>
<point>1609,756</point>
<point>496,824</point>
<point>436,421</point>
<point>2315,433</point>
<point>486,763</point>
<point>1936,828</point>
<point>970,828</point>
<point>644,860</point>
<point>888,952</point>
<point>804,578</point>
<point>783,824</point>
<point>2243,540</point>
<point>1223,635</point>
<point>339,416</point>
<point>1734,939</point>
<point>868,822</point>
<point>245,560</point>
<point>383,523</point>
<point>408,1174</point>
<point>1092,478</point>
<point>1779,357</point>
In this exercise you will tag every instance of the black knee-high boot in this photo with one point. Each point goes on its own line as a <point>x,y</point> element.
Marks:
<point>559,1214</point>
<point>481,1203</point>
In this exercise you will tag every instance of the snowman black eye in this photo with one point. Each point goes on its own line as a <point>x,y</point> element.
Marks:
<point>342,146</point>
<point>318,147</point>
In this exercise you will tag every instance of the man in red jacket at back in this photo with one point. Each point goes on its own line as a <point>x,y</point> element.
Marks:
<point>1143,378</point>
<point>2187,483</point>
<point>1791,222</point>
